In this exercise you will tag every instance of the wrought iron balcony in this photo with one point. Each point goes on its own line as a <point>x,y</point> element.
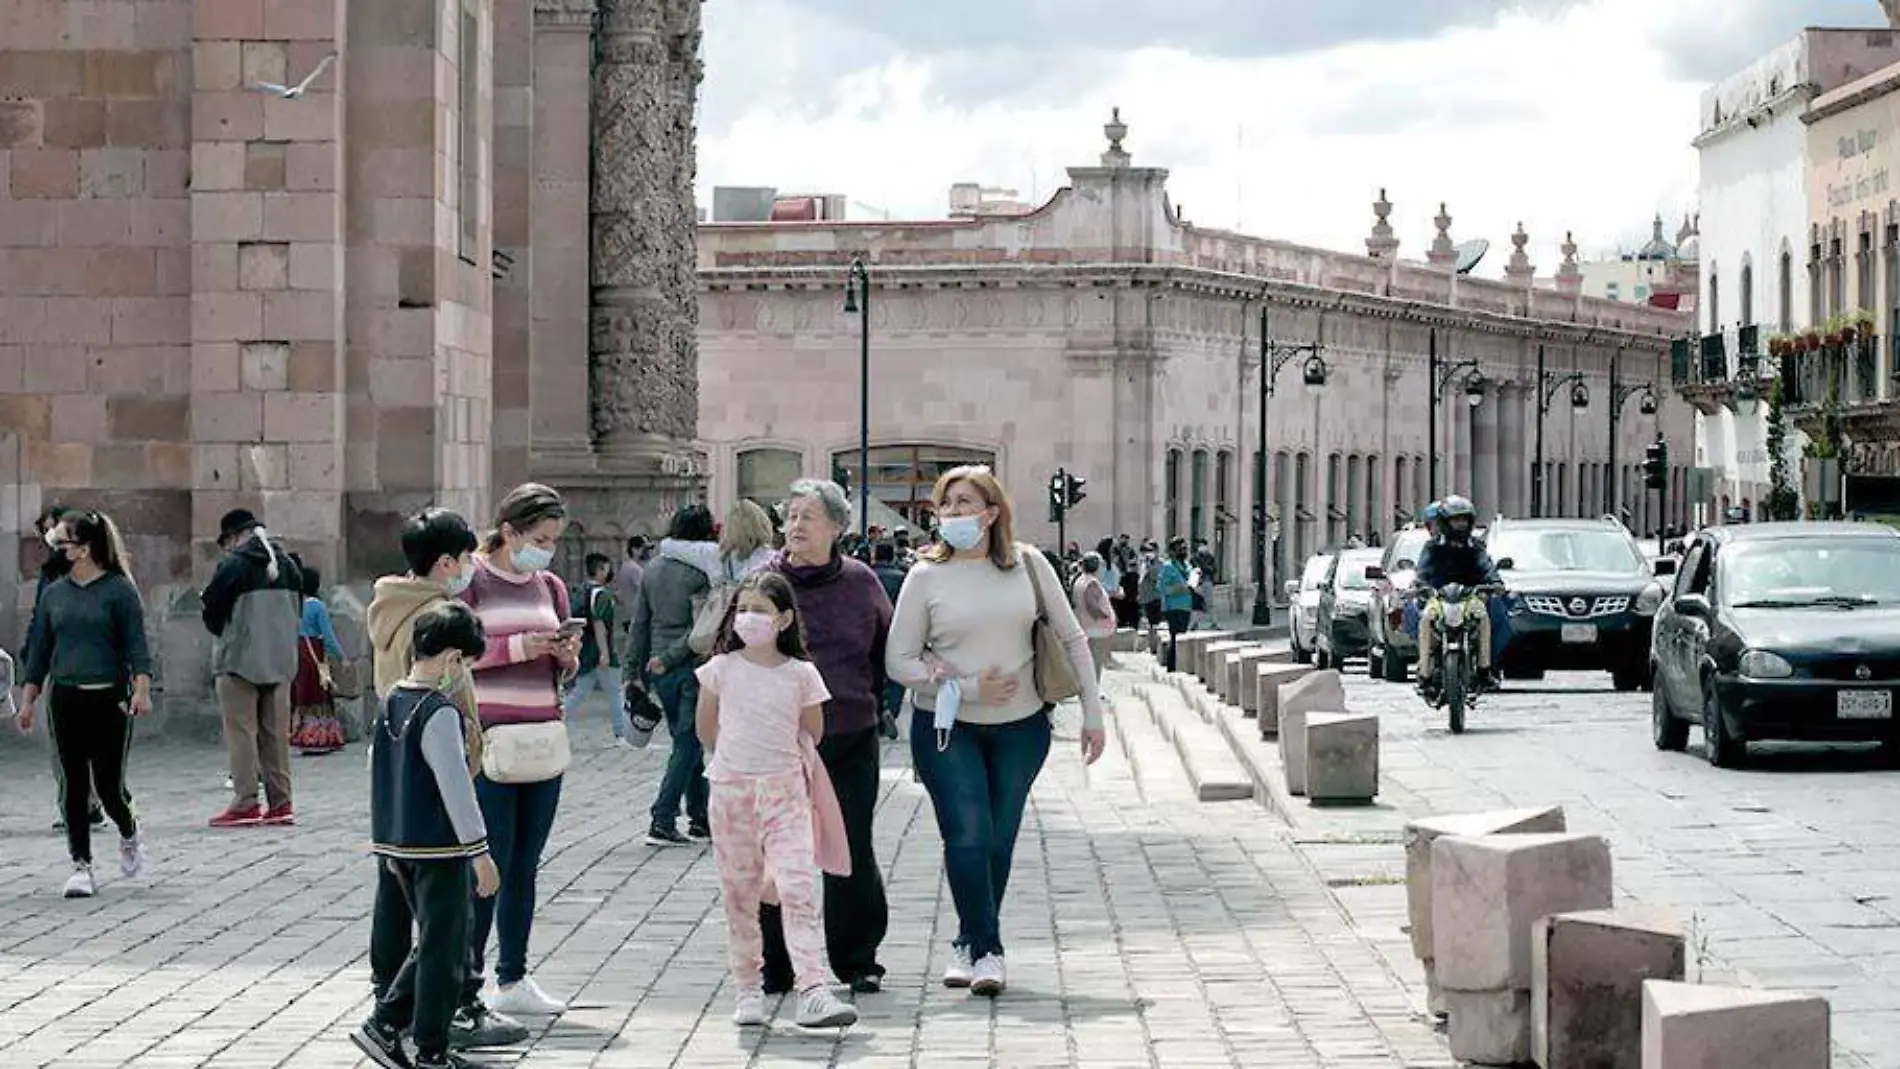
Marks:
<point>1714,358</point>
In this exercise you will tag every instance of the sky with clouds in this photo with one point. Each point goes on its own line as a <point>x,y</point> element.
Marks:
<point>1280,117</point>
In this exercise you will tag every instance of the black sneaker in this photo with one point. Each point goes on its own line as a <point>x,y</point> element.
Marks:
<point>869,983</point>
<point>777,983</point>
<point>97,816</point>
<point>445,1060</point>
<point>698,832</point>
<point>476,1027</point>
<point>382,1044</point>
<point>666,835</point>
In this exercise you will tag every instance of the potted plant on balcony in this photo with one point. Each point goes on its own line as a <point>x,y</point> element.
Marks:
<point>1863,320</point>
<point>1831,333</point>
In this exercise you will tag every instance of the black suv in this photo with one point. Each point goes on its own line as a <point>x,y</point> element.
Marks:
<point>1583,597</point>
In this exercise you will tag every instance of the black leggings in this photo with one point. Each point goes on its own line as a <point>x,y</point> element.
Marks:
<point>91,733</point>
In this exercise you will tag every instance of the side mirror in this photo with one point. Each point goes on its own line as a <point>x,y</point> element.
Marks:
<point>1374,573</point>
<point>1405,565</point>
<point>1292,588</point>
<point>1506,564</point>
<point>1664,566</point>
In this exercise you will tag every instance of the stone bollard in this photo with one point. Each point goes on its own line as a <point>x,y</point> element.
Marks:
<point>1268,679</point>
<point>1242,667</point>
<point>1194,643</point>
<point>1703,1026</point>
<point>1487,892</point>
<point>1342,757</point>
<point>1320,692</point>
<point>1587,973</point>
<point>1213,662</point>
<point>1128,640</point>
<point>1419,837</point>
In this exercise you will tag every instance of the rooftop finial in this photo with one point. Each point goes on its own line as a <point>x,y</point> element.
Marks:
<point>1383,243</point>
<point>1116,130</point>
<point>1443,252</point>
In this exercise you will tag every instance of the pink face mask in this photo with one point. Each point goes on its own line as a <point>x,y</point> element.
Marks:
<point>755,628</point>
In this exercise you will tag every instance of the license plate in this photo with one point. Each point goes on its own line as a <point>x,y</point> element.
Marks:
<point>1865,704</point>
<point>1580,633</point>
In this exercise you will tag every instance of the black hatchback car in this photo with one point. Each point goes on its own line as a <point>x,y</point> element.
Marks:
<point>1582,597</point>
<point>1780,631</point>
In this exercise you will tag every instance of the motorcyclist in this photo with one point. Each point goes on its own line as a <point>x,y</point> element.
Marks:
<point>1454,555</point>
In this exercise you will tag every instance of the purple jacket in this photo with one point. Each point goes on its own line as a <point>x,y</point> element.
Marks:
<point>847,619</point>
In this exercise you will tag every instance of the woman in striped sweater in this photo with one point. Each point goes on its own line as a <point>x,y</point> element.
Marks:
<point>521,606</point>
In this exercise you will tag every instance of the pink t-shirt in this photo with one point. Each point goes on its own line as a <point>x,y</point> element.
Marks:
<point>758,714</point>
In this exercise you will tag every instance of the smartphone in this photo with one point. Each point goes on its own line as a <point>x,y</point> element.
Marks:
<point>574,627</point>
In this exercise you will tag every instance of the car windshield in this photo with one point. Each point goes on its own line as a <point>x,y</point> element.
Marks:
<point>1567,550</point>
<point>1407,545</point>
<point>1315,573</point>
<point>1794,573</point>
<point>1352,570</point>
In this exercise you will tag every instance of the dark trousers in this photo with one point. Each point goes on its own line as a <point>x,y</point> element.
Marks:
<point>856,914</point>
<point>1178,620</point>
<point>92,733</point>
<point>979,786</point>
<point>685,778</point>
<point>519,817</point>
<point>427,985</point>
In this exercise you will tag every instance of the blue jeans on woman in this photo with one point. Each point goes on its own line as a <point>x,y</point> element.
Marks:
<point>979,786</point>
<point>519,817</point>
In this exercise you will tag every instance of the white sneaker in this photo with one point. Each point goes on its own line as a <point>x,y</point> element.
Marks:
<point>989,977</point>
<point>819,1008</point>
<point>958,972</point>
<point>525,999</point>
<point>750,1012</point>
<point>79,884</point>
<point>131,856</point>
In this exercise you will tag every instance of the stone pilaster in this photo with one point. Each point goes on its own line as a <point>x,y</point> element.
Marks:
<point>514,259</point>
<point>1513,451</point>
<point>559,417</point>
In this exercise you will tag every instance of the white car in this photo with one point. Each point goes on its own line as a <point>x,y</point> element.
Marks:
<point>1302,597</point>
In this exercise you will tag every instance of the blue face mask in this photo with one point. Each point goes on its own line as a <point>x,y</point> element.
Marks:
<point>533,558</point>
<point>459,581</point>
<point>961,532</point>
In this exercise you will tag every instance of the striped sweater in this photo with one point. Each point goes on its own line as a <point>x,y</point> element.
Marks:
<point>509,688</point>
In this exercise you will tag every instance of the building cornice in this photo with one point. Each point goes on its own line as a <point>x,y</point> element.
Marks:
<point>569,14</point>
<point>1795,97</point>
<point>1854,94</point>
<point>1190,280</point>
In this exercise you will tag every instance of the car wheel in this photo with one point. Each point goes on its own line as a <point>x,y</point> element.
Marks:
<point>1375,663</point>
<point>1670,733</point>
<point>1321,658</point>
<point>1628,678</point>
<point>1301,654</point>
<point>1721,748</point>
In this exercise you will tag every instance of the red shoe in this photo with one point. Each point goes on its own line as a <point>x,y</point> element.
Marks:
<point>239,816</point>
<point>279,815</point>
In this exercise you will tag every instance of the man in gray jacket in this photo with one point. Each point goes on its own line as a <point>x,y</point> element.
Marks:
<point>657,642</point>
<point>253,608</point>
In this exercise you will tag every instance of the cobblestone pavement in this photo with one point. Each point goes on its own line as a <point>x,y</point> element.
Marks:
<point>1145,930</point>
<point>1788,871</point>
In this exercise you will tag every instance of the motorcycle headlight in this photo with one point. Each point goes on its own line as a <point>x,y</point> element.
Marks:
<point>1761,664</point>
<point>1649,600</point>
<point>1454,614</point>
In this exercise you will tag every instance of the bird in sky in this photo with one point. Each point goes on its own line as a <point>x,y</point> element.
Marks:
<point>292,92</point>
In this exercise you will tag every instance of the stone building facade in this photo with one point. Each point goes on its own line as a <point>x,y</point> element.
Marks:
<point>461,259</point>
<point>1106,334</point>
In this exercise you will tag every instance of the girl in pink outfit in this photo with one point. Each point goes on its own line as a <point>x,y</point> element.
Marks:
<point>761,705</point>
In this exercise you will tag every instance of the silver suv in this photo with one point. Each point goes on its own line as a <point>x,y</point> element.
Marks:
<point>1394,650</point>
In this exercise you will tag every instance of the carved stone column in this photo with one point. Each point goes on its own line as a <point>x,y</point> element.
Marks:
<point>1484,452</point>
<point>645,319</point>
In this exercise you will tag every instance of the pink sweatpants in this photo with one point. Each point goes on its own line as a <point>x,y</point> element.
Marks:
<point>768,819</point>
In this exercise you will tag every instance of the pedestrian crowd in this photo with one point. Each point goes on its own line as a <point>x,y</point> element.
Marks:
<point>778,655</point>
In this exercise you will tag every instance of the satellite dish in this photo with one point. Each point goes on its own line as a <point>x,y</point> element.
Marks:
<point>1470,252</point>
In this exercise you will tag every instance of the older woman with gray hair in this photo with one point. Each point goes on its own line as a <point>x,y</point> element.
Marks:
<point>847,617</point>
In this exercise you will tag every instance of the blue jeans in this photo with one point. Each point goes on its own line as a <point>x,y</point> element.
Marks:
<point>678,692</point>
<point>606,680</point>
<point>979,787</point>
<point>519,817</point>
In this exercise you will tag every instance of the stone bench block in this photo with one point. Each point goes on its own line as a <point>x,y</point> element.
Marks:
<point>1342,757</point>
<point>1242,670</point>
<point>1320,691</point>
<point>1587,973</point>
<point>1488,890</point>
<point>1703,1026</point>
<point>1293,747</point>
<point>1213,662</point>
<point>1212,769</point>
<point>1226,666</point>
<point>1127,640</point>
<point>1190,645</point>
<point>1421,834</point>
<point>1489,1027</point>
<point>1268,679</point>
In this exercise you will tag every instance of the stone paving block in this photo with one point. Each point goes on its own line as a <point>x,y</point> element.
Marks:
<point>1341,758</point>
<point>1419,837</point>
<point>1488,890</point>
<point>1587,973</point>
<point>1704,1026</point>
<point>1268,679</point>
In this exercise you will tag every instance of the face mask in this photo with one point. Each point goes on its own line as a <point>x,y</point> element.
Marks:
<point>459,581</point>
<point>755,628</point>
<point>533,558</point>
<point>449,673</point>
<point>961,532</point>
<point>52,538</point>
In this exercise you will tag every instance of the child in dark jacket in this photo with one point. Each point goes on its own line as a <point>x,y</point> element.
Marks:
<point>428,836</point>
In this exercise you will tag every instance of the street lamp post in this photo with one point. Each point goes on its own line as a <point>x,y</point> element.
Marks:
<point>1442,379</point>
<point>1620,396</point>
<point>1547,386</point>
<point>857,298</point>
<point>1273,357</point>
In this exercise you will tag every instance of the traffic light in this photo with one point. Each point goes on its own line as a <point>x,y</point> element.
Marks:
<point>1058,496</point>
<point>1655,465</point>
<point>1074,492</point>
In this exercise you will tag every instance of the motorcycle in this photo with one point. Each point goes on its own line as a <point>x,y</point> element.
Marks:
<point>1457,611</point>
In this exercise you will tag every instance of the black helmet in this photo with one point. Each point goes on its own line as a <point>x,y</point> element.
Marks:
<point>1455,507</point>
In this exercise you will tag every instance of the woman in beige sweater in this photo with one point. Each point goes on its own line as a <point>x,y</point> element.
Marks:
<point>960,641</point>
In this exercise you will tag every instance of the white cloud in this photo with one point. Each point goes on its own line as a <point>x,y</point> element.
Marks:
<point>1576,121</point>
